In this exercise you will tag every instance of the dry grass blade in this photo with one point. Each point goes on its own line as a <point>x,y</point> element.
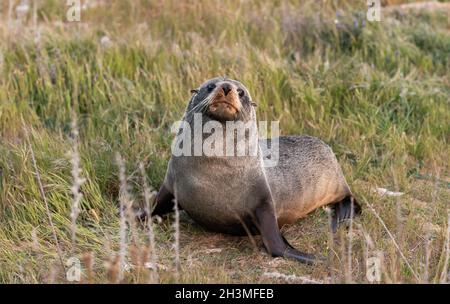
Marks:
<point>176,245</point>
<point>349,269</point>
<point>291,278</point>
<point>151,236</point>
<point>124,207</point>
<point>393,240</point>
<point>44,198</point>
<point>77,181</point>
<point>444,274</point>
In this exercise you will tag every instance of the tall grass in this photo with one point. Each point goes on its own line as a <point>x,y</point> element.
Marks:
<point>377,92</point>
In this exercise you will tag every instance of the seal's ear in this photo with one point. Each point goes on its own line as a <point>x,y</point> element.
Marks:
<point>254,104</point>
<point>194,91</point>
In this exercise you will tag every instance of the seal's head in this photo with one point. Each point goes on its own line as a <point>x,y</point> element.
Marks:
<point>222,99</point>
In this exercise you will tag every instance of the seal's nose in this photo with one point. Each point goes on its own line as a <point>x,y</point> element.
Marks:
<point>226,88</point>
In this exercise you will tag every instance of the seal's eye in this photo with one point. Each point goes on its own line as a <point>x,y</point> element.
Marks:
<point>241,92</point>
<point>211,87</point>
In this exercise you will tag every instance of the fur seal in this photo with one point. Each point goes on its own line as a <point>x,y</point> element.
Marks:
<point>237,194</point>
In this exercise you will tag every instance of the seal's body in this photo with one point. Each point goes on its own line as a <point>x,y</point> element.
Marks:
<point>307,176</point>
<point>237,194</point>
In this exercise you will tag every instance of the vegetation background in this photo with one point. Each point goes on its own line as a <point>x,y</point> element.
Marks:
<point>377,92</point>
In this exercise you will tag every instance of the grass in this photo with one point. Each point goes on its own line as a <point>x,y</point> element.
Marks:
<point>377,92</point>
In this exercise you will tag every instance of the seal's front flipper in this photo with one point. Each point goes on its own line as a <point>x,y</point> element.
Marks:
<point>164,202</point>
<point>274,242</point>
<point>343,211</point>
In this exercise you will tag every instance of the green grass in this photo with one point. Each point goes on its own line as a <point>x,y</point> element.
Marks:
<point>378,93</point>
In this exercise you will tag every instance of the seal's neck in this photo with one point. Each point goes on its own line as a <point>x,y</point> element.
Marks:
<point>223,139</point>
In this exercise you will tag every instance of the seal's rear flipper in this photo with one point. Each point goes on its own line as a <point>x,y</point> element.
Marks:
<point>163,203</point>
<point>342,211</point>
<point>274,242</point>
